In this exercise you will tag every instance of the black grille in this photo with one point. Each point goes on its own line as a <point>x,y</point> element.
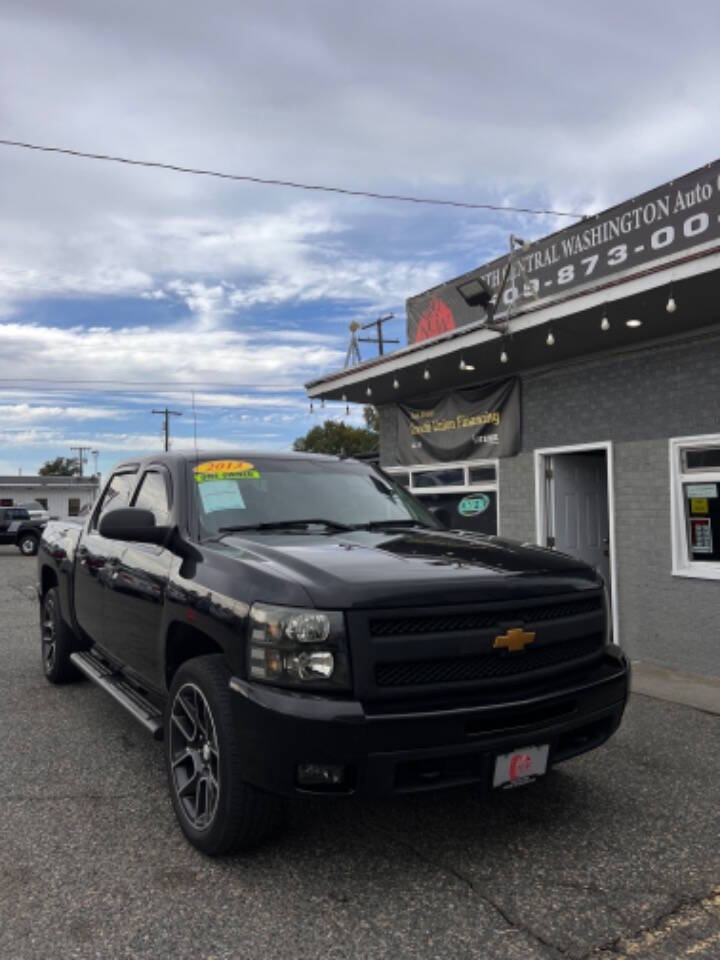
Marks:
<point>487,666</point>
<point>480,620</point>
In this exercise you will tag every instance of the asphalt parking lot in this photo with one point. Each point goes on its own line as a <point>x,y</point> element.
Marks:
<point>616,854</point>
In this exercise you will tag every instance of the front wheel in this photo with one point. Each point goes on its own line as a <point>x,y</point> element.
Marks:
<point>218,812</point>
<point>28,544</point>
<point>57,641</point>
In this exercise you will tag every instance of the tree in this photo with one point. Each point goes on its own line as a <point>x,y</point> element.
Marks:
<point>337,437</point>
<point>372,419</point>
<point>59,467</point>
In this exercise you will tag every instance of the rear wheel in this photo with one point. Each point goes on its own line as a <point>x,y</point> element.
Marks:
<point>218,812</point>
<point>57,641</point>
<point>28,544</point>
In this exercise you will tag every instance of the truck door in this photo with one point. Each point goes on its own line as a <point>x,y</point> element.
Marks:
<point>97,558</point>
<point>134,608</point>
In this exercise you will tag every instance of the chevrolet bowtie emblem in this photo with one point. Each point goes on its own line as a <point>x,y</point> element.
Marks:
<point>515,639</point>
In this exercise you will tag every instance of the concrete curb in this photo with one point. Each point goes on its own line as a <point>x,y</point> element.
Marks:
<point>690,689</point>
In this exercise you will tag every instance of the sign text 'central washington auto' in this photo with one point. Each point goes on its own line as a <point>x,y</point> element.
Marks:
<point>668,220</point>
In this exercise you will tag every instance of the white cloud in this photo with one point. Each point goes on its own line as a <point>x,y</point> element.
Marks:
<point>160,355</point>
<point>28,413</point>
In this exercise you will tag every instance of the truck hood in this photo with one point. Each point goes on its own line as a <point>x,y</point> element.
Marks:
<point>407,567</point>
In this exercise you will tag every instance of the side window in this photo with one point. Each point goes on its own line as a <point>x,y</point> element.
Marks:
<point>153,495</point>
<point>73,506</point>
<point>117,494</point>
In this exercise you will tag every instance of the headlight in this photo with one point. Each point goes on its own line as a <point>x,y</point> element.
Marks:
<point>295,647</point>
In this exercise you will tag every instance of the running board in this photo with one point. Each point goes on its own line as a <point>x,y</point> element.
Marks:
<point>119,689</point>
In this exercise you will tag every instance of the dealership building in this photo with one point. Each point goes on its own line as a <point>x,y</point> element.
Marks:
<point>568,395</point>
<point>60,496</point>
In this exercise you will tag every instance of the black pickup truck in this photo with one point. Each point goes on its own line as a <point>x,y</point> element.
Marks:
<point>297,625</point>
<point>17,527</point>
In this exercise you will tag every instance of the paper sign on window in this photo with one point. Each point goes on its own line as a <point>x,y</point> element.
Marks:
<point>701,540</point>
<point>220,495</point>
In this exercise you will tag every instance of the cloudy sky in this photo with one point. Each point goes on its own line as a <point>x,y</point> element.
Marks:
<point>123,289</point>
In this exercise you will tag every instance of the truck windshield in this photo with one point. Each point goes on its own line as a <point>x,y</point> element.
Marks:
<point>328,494</point>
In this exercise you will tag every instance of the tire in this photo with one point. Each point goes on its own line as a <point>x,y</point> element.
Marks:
<point>28,544</point>
<point>57,641</point>
<point>218,812</point>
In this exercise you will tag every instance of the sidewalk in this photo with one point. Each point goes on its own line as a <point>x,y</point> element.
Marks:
<point>690,689</point>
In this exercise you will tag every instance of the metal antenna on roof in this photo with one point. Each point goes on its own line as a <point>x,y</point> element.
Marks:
<point>353,351</point>
<point>194,425</point>
<point>380,340</point>
<point>516,277</point>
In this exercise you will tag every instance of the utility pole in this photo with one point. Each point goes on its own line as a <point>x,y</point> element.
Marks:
<point>166,426</point>
<point>379,340</point>
<point>81,457</point>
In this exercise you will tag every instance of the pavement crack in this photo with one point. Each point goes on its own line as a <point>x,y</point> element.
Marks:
<point>477,891</point>
<point>682,914</point>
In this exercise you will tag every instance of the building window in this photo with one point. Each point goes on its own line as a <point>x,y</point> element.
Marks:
<point>6,501</point>
<point>695,506</point>
<point>73,506</point>
<point>466,494</point>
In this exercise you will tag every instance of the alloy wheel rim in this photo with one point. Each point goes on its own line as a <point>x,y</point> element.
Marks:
<point>194,756</point>
<point>27,547</point>
<point>49,640</point>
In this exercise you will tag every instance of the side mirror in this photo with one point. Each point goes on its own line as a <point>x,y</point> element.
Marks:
<point>133,524</point>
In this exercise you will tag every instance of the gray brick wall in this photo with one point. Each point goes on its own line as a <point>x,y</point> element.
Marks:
<point>668,391</point>
<point>663,619</point>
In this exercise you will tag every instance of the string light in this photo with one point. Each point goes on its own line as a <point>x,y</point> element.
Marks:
<point>322,403</point>
<point>503,357</point>
<point>312,408</point>
<point>604,323</point>
<point>671,306</point>
<point>396,384</point>
<point>466,366</point>
<point>368,392</point>
<point>550,339</point>
<point>426,374</point>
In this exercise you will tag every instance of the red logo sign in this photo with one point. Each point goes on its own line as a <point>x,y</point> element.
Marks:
<point>520,765</point>
<point>436,318</point>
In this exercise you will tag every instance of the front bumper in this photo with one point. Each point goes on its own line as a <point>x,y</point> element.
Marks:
<point>412,749</point>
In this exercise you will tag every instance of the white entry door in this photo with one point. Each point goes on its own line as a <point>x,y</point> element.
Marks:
<point>581,523</point>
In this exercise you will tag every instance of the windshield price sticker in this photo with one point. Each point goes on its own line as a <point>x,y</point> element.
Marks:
<point>225,470</point>
<point>220,495</point>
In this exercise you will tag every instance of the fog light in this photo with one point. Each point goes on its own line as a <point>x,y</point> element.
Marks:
<point>309,774</point>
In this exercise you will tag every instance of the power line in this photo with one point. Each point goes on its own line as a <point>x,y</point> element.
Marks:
<point>268,182</point>
<point>166,426</point>
<point>81,457</point>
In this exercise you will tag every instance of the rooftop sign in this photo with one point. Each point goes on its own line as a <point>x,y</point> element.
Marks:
<point>669,220</point>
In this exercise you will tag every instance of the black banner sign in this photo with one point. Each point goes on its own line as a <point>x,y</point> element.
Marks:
<point>465,425</point>
<point>670,219</point>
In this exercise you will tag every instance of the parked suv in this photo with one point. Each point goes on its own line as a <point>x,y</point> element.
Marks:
<point>36,510</point>
<point>16,526</point>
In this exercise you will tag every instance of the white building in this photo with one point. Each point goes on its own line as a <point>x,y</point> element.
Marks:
<point>60,496</point>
